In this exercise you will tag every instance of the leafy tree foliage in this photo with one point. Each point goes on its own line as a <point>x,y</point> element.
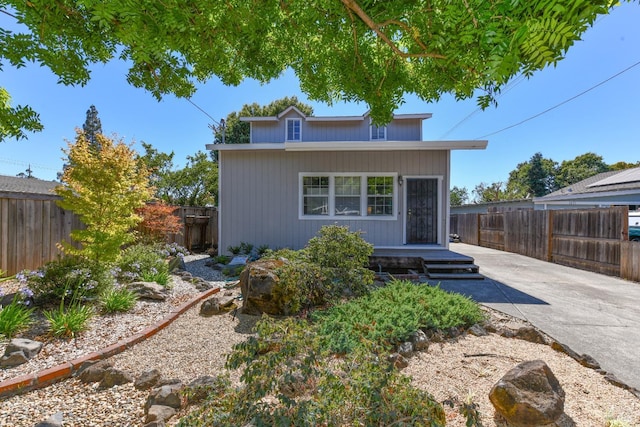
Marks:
<point>194,185</point>
<point>582,167</point>
<point>92,127</point>
<point>14,121</point>
<point>493,192</point>
<point>458,196</point>
<point>158,221</point>
<point>104,188</point>
<point>347,50</point>
<point>236,132</point>
<point>534,178</point>
<point>618,166</point>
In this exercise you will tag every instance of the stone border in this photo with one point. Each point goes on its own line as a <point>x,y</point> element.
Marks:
<point>46,377</point>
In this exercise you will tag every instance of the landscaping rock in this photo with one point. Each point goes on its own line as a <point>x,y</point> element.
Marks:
<point>528,395</point>
<point>92,372</point>
<point>166,395</point>
<point>420,340</point>
<point>399,361</point>
<point>19,351</point>
<point>217,305</point>
<point>54,420</point>
<point>530,334</point>
<point>477,331</point>
<point>406,349</point>
<point>257,282</point>
<point>149,290</point>
<point>159,413</point>
<point>176,264</point>
<point>113,377</point>
<point>147,380</point>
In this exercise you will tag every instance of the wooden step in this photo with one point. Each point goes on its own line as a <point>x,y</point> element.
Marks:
<point>440,267</point>
<point>456,276</point>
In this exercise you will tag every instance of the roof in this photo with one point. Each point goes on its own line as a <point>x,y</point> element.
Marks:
<point>420,116</point>
<point>16,187</point>
<point>605,184</point>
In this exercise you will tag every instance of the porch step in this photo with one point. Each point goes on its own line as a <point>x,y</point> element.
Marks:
<point>456,276</point>
<point>458,269</point>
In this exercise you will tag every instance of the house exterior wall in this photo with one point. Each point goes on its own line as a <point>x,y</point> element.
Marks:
<point>353,130</point>
<point>259,194</point>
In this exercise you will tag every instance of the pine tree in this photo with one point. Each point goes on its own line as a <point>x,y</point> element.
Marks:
<point>92,127</point>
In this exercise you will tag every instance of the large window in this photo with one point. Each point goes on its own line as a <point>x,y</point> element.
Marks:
<point>348,195</point>
<point>294,130</point>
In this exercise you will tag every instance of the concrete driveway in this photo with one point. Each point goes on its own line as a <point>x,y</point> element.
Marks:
<point>592,313</point>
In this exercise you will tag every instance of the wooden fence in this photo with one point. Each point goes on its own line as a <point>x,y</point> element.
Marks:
<point>30,230</point>
<point>589,239</point>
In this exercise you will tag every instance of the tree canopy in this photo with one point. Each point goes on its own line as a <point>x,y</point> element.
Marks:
<point>347,50</point>
<point>233,131</point>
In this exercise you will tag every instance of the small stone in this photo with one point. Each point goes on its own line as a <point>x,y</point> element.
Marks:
<point>13,359</point>
<point>159,413</point>
<point>477,331</point>
<point>420,340</point>
<point>166,395</point>
<point>54,420</point>
<point>92,372</point>
<point>113,377</point>
<point>530,334</point>
<point>398,360</point>
<point>406,349</point>
<point>147,380</point>
<point>30,348</point>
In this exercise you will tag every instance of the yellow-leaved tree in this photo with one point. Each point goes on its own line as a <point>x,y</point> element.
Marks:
<point>104,186</point>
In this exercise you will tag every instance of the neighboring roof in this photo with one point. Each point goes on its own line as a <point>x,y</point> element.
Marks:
<point>420,116</point>
<point>16,187</point>
<point>606,184</point>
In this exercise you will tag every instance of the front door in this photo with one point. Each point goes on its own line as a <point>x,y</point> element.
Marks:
<point>422,211</point>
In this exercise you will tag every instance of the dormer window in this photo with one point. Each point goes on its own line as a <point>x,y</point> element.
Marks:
<point>294,130</point>
<point>378,133</point>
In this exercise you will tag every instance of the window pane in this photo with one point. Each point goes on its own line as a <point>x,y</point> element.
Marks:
<point>315,190</point>
<point>380,195</point>
<point>293,130</point>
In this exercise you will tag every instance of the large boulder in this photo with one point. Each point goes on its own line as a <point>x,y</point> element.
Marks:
<point>528,395</point>
<point>257,282</point>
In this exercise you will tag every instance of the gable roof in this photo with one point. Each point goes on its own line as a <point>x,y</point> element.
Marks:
<point>15,187</point>
<point>605,184</point>
<point>420,116</point>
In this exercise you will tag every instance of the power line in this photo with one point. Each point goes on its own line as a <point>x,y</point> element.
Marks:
<point>202,110</point>
<point>561,103</point>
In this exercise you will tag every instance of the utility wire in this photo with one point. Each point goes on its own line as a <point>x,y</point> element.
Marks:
<point>560,104</point>
<point>202,110</point>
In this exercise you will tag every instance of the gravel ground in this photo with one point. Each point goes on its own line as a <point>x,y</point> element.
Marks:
<point>193,346</point>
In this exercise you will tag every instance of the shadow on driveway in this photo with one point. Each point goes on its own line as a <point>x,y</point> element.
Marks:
<point>489,291</point>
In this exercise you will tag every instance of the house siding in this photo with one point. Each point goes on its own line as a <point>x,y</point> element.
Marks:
<point>356,130</point>
<point>259,196</point>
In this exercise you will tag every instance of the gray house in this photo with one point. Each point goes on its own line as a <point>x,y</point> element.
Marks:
<point>301,172</point>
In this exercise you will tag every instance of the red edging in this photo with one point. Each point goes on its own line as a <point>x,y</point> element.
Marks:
<point>48,376</point>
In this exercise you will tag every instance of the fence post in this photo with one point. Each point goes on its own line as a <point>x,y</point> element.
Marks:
<point>478,229</point>
<point>550,235</point>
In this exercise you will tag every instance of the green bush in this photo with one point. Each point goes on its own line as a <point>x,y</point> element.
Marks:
<point>286,356</point>
<point>69,275</point>
<point>14,317</point>
<point>233,270</point>
<point>143,262</point>
<point>118,300</point>
<point>343,257</point>
<point>389,315</point>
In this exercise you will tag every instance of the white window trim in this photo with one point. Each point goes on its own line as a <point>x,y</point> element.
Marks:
<point>371,126</point>
<point>286,129</point>
<point>363,197</point>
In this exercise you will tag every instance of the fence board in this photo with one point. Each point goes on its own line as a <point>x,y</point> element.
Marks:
<point>589,239</point>
<point>30,230</point>
<point>630,261</point>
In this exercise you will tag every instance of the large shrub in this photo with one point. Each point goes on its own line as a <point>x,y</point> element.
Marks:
<point>70,275</point>
<point>143,262</point>
<point>332,265</point>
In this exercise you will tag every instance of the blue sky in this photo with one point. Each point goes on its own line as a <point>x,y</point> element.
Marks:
<point>605,120</point>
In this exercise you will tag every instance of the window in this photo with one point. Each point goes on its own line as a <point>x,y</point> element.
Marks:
<point>348,195</point>
<point>315,195</point>
<point>380,195</point>
<point>294,130</point>
<point>378,133</point>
